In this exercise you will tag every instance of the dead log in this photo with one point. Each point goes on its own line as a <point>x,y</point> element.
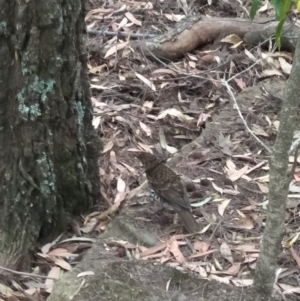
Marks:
<point>198,31</point>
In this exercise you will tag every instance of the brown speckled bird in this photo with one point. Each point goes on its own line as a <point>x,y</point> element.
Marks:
<point>165,185</point>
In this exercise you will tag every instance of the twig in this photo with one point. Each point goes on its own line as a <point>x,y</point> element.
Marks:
<point>19,288</point>
<point>233,98</point>
<point>296,143</point>
<point>247,69</point>
<point>213,233</point>
<point>108,33</point>
<point>26,274</point>
<point>188,75</point>
<point>225,83</point>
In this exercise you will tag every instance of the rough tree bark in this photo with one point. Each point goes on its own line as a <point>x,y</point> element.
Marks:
<point>48,147</point>
<point>279,182</point>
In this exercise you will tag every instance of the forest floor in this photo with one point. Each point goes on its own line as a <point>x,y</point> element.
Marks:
<point>149,105</point>
<point>161,107</point>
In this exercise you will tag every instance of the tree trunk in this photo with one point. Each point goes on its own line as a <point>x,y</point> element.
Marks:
<point>48,147</point>
<point>279,182</point>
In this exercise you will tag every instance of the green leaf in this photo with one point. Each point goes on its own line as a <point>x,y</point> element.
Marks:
<point>278,33</point>
<point>285,6</point>
<point>277,6</point>
<point>254,8</point>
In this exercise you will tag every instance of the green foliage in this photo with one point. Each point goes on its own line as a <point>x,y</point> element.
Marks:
<point>254,8</point>
<point>281,8</point>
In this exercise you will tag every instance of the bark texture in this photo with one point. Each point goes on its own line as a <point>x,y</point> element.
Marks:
<point>48,147</point>
<point>279,182</point>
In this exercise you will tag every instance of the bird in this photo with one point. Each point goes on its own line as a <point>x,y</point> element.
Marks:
<point>166,186</point>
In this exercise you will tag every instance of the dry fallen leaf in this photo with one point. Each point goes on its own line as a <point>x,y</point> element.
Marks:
<point>63,264</point>
<point>247,248</point>
<point>285,66</point>
<point>164,72</point>
<point>174,112</point>
<point>130,168</point>
<point>86,273</point>
<point>146,81</point>
<point>173,17</point>
<point>233,270</point>
<point>263,188</point>
<point>226,252</point>
<point>242,282</point>
<point>192,64</point>
<point>232,39</point>
<point>217,188</point>
<point>54,273</point>
<point>12,298</point>
<point>259,131</point>
<point>147,106</point>
<point>115,48</point>
<point>202,118</point>
<point>97,70</point>
<point>222,207</point>
<point>218,264</point>
<point>201,254</point>
<point>163,142</point>
<point>133,19</point>
<point>239,173</point>
<point>201,246</point>
<point>145,147</point>
<point>122,23</point>
<point>160,246</point>
<point>97,11</point>
<point>121,186</point>
<point>96,121</point>
<point>107,147</point>
<point>242,85</point>
<point>5,290</point>
<point>258,165</point>
<point>58,252</point>
<point>289,289</point>
<point>249,258</point>
<point>145,128</point>
<point>225,280</point>
<point>168,284</point>
<point>250,55</point>
<point>196,268</point>
<point>174,249</point>
<point>268,73</point>
<point>205,229</point>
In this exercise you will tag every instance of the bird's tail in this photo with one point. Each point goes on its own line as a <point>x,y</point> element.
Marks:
<point>188,220</point>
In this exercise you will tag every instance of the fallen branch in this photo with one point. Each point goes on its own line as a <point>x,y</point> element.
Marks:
<point>107,33</point>
<point>193,32</point>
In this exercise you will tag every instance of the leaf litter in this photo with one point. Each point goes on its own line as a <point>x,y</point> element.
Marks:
<point>159,108</point>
